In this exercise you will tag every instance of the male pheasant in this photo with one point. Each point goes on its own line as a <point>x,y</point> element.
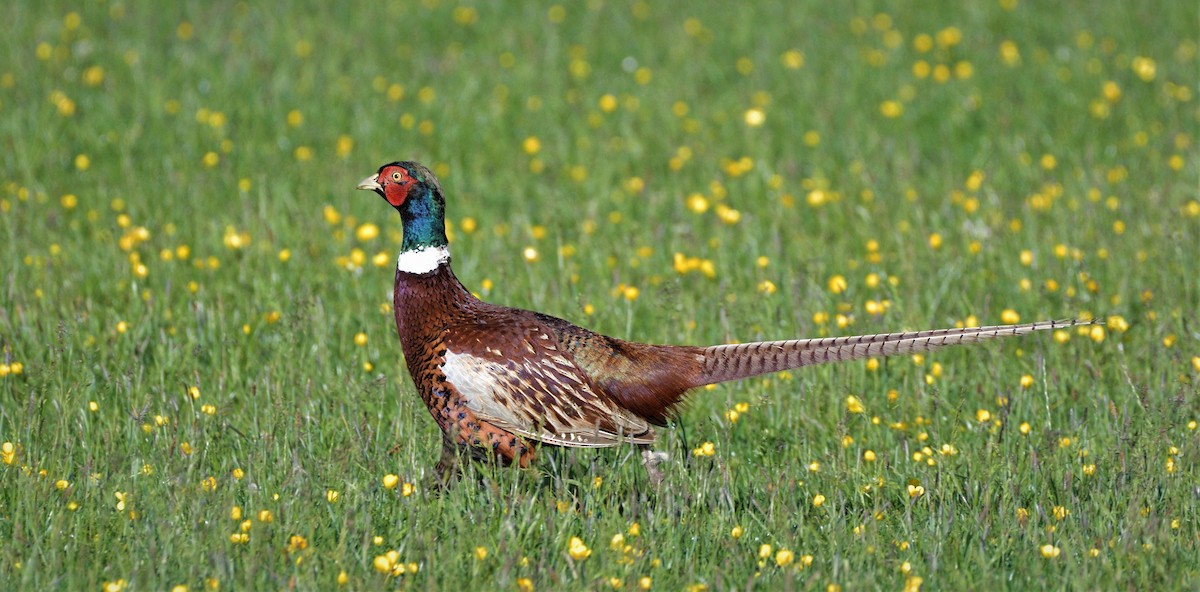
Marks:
<point>500,380</point>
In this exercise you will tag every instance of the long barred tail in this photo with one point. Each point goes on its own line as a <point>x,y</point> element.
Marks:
<point>742,360</point>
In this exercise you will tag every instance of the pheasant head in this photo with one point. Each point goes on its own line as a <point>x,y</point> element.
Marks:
<point>416,194</point>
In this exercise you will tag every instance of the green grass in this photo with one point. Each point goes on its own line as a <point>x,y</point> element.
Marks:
<point>1112,223</point>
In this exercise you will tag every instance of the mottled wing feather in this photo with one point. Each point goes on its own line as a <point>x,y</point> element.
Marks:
<point>513,373</point>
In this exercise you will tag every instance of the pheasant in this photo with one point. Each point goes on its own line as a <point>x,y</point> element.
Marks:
<point>499,380</point>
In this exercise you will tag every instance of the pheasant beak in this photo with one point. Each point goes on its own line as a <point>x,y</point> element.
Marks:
<point>371,184</point>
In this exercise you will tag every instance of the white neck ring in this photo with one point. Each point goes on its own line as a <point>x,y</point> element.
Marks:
<point>422,259</point>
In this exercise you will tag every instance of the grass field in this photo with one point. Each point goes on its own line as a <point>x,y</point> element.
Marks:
<point>201,384</point>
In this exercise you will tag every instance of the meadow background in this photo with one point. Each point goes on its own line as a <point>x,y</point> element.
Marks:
<point>201,386</point>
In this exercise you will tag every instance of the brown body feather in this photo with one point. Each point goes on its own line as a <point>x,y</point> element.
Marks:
<point>505,378</point>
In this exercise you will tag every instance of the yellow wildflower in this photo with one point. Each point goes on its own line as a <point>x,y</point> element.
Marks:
<point>854,405</point>
<point>577,549</point>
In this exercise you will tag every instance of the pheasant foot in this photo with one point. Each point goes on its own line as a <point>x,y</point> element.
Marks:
<point>651,460</point>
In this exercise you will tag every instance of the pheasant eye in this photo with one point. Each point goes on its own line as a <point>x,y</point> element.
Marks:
<point>395,176</point>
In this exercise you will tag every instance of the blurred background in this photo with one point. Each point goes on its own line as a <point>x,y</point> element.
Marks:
<point>177,212</point>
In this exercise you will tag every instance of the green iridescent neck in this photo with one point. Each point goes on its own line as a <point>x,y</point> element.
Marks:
<point>423,216</point>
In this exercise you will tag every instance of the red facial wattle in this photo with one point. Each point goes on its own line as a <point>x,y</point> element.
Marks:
<point>392,182</point>
<point>394,191</point>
